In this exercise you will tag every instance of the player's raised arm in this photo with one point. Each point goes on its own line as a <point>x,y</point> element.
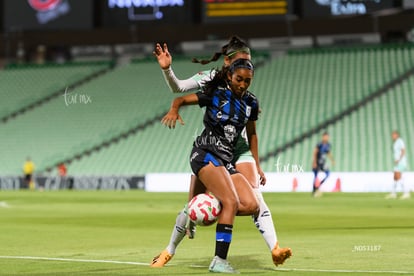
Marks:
<point>176,85</point>
<point>163,56</point>
<point>173,115</point>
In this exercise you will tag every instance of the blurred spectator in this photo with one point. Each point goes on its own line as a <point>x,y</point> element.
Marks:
<point>66,182</point>
<point>28,170</point>
<point>58,54</point>
<point>20,53</point>
<point>62,170</point>
<point>40,56</point>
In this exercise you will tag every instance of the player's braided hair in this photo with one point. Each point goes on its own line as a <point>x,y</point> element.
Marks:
<point>220,78</point>
<point>235,45</point>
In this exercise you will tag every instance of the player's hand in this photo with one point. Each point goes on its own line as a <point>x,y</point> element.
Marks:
<point>262,176</point>
<point>163,56</point>
<point>396,162</point>
<point>171,118</point>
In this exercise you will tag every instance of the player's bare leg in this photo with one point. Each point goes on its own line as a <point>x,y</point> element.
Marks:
<point>218,180</point>
<point>248,203</point>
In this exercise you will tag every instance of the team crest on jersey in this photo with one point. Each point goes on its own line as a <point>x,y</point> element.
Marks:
<point>248,111</point>
<point>230,132</point>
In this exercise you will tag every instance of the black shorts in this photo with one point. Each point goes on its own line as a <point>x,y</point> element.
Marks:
<point>200,158</point>
<point>28,177</point>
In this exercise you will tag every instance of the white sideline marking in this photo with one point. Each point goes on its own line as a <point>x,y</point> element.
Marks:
<point>200,266</point>
<point>3,204</point>
<point>71,260</point>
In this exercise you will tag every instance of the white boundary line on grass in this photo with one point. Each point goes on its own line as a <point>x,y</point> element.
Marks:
<point>147,264</point>
<point>71,260</point>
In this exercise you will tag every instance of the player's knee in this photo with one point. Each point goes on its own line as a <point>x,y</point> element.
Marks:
<point>250,206</point>
<point>231,203</point>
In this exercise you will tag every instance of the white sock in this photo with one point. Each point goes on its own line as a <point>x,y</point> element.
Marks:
<point>264,222</point>
<point>178,232</point>
<point>394,188</point>
<point>405,188</point>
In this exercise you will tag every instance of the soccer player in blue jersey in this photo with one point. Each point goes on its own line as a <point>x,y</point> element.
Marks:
<point>321,153</point>
<point>244,161</point>
<point>230,108</point>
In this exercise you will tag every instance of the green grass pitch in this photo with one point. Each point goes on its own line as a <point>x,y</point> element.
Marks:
<point>118,233</point>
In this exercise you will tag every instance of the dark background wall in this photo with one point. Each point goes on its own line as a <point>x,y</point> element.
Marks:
<point>95,22</point>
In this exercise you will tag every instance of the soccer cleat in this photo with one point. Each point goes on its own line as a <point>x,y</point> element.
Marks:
<point>219,265</point>
<point>317,193</point>
<point>391,196</point>
<point>405,196</point>
<point>280,255</point>
<point>161,259</point>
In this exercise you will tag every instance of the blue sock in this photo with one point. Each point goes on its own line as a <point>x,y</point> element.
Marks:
<point>223,239</point>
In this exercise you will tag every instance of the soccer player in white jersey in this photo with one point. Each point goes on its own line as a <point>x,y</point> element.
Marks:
<point>247,161</point>
<point>400,165</point>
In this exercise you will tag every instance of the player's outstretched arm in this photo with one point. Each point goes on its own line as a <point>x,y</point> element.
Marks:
<point>314,157</point>
<point>173,115</point>
<point>176,85</point>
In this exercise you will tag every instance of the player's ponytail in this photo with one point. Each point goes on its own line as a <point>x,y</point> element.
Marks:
<point>235,45</point>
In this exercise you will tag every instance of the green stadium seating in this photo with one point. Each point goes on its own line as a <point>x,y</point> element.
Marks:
<point>297,92</point>
<point>301,90</point>
<point>23,85</point>
<point>121,99</point>
<point>362,141</point>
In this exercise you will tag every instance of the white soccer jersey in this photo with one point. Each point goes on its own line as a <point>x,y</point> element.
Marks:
<point>398,146</point>
<point>188,85</point>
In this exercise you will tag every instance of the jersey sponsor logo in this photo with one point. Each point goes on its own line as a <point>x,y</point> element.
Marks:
<point>210,139</point>
<point>223,103</point>
<point>193,156</point>
<point>248,111</point>
<point>229,167</point>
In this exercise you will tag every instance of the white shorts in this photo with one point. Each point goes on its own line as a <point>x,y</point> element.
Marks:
<point>245,158</point>
<point>400,167</point>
